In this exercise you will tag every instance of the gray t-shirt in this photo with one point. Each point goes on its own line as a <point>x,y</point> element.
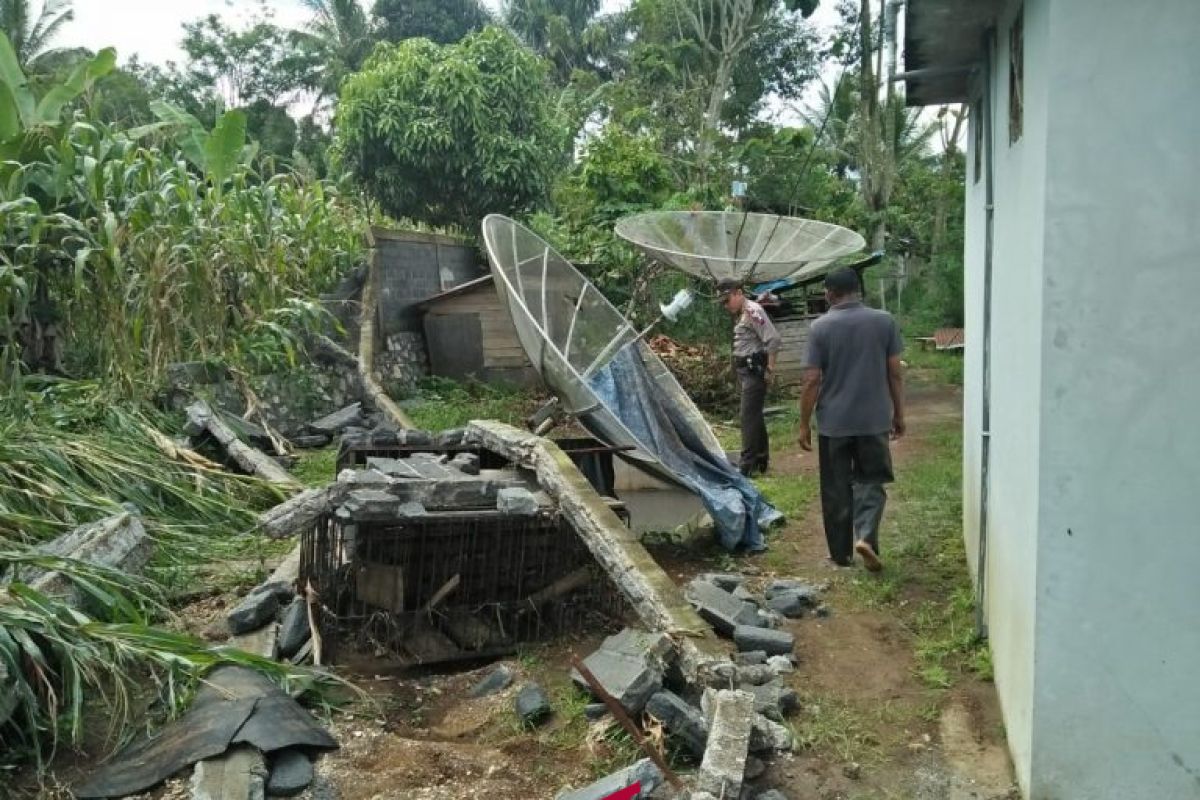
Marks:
<point>850,345</point>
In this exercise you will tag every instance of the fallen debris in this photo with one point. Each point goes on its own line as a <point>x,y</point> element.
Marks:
<point>291,773</point>
<point>724,765</point>
<point>773,700</point>
<point>517,501</point>
<point>721,609</point>
<point>774,642</point>
<point>644,773</point>
<point>256,610</point>
<point>240,773</point>
<point>302,511</point>
<point>533,707</point>
<point>751,658</point>
<point>333,424</point>
<point>251,459</point>
<point>497,680</point>
<point>781,665</point>
<point>293,628</point>
<point>630,667</point>
<point>726,581</point>
<point>681,719</point>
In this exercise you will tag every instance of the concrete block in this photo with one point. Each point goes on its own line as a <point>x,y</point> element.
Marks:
<point>370,505</point>
<point>497,680</point>
<point>394,467</point>
<point>293,629</point>
<point>768,736</point>
<point>681,719</point>
<point>291,773</point>
<point>773,700</point>
<point>781,664</point>
<point>728,581</point>
<point>338,421</point>
<point>724,765</point>
<point>630,666</point>
<point>751,658</point>
<point>790,604</point>
<point>533,706</point>
<point>743,594</point>
<point>311,441</point>
<point>644,772</point>
<point>722,610</point>
<point>807,593</point>
<point>754,675</point>
<point>516,501</point>
<point>255,610</point>
<point>775,643</point>
<point>238,774</point>
<point>466,463</point>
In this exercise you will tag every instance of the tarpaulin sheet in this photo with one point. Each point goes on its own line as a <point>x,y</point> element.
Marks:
<point>737,508</point>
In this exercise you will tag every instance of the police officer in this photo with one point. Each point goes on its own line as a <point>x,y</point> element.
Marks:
<point>755,346</point>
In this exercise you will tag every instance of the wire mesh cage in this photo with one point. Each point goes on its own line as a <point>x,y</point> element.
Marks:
<point>454,585</point>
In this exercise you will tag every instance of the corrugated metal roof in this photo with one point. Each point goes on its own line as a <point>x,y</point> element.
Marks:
<point>943,41</point>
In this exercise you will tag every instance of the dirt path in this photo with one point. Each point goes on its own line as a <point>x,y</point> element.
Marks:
<point>872,727</point>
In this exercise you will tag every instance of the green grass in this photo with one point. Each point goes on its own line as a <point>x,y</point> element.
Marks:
<point>934,367</point>
<point>926,581</point>
<point>316,467</point>
<point>441,404</point>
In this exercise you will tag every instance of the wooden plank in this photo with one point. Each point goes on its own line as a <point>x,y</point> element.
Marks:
<point>455,344</point>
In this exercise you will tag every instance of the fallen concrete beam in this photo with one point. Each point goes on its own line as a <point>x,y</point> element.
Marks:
<point>118,542</point>
<point>650,591</point>
<point>302,511</point>
<point>251,459</point>
<point>239,774</point>
<point>724,764</point>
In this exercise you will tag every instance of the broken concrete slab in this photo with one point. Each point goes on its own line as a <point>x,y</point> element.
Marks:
<point>775,643</point>
<point>768,736</point>
<point>250,459</point>
<point>810,595</point>
<point>721,609</point>
<point>369,505</point>
<point>452,437</point>
<point>517,501</point>
<point>291,773</point>
<point>744,594</point>
<point>773,700</point>
<point>533,707</point>
<point>727,581</point>
<point>239,774</point>
<point>630,666</point>
<point>255,611</point>
<point>754,675</point>
<point>311,441</point>
<point>260,642</point>
<point>293,628</point>
<point>497,680</point>
<point>393,467</point>
<point>791,604</point>
<point>466,463</point>
<point>338,421</point>
<point>781,665</point>
<point>680,718</point>
<point>751,658</point>
<point>644,773</point>
<point>724,765</point>
<point>302,511</point>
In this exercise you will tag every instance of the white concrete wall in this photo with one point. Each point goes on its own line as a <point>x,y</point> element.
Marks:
<point>1117,698</point>
<point>1016,346</point>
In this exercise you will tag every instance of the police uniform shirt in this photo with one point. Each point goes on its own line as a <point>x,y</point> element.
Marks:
<point>754,332</point>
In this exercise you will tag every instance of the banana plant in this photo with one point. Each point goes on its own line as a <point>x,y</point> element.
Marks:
<point>217,153</point>
<point>23,116</point>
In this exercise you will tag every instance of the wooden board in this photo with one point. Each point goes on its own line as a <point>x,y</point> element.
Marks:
<point>455,343</point>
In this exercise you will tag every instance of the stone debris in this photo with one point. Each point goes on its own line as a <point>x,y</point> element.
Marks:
<point>369,505</point>
<point>789,604</point>
<point>349,417</point>
<point>750,658</point>
<point>517,501</point>
<point>807,591</point>
<point>721,609</point>
<point>311,441</point>
<point>724,766</point>
<point>238,774</point>
<point>726,581</point>
<point>497,680</point>
<point>630,666</point>
<point>293,628</point>
<point>781,664</point>
<point>767,736</point>
<point>681,719</point>
<point>291,773</point>
<point>742,593</point>
<point>256,609</point>
<point>773,700</point>
<point>754,674</point>
<point>644,772</point>
<point>774,642</point>
<point>533,707</point>
<point>755,768</point>
<point>466,463</point>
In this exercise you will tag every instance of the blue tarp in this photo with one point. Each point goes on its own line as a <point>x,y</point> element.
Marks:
<point>738,509</point>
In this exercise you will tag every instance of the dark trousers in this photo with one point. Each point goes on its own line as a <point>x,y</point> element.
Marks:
<point>853,472</point>
<point>756,447</point>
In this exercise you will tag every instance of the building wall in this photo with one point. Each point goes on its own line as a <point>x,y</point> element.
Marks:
<point>1117,701</point>
<point>1016,345</point>
<point>504,359</point>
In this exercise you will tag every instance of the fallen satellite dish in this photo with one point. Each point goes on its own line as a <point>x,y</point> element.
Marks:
<point>605,375</point>
<point>717,245</point>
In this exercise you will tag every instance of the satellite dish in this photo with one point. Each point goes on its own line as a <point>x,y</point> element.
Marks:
<point>571,333</point>
<point>716,245</point>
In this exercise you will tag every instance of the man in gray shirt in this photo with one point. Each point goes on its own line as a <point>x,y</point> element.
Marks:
<point>853,381</point>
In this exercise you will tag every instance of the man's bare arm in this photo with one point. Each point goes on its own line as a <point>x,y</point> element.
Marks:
<point>808,402</point>
<point>896,388</point>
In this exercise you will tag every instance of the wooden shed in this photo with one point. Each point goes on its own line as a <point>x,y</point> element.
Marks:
<point>469,334</point>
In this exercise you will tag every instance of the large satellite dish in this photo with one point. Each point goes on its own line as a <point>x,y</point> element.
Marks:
<point>716,245</point>
<point>571,333</point>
